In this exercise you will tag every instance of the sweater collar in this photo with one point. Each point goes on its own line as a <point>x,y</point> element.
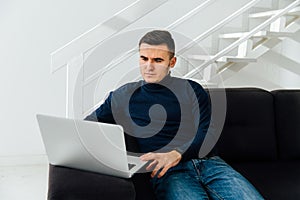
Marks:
<point>160,85</point>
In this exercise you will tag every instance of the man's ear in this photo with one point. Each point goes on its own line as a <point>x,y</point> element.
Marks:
<point>173,62</point>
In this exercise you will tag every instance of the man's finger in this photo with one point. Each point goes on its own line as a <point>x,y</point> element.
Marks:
<point>147,156</point>
<point>155,171</point>
<point>163,171</point>
<point>152,164</point>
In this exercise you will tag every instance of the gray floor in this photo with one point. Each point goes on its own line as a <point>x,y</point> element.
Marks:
<point>23,182</point>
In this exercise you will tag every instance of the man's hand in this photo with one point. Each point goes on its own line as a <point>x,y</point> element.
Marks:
<point>162,161</point>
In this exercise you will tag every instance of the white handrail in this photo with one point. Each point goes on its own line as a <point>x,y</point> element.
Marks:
<point>131,52</point>
<point>189,15</point>
<point>242,39</point>
<point>110,27</point>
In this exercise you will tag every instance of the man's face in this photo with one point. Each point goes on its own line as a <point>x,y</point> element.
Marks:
<point>155,62</point>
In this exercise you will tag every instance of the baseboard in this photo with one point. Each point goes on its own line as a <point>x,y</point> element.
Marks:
<point>24,160</point>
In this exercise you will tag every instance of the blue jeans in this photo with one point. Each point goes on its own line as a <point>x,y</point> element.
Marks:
<point>206,178</point>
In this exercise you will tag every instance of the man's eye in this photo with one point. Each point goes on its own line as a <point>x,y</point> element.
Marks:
<point>144,59</point>
<point>158,60</point>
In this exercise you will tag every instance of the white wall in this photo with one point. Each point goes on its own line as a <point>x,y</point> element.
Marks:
<point>29,32</point>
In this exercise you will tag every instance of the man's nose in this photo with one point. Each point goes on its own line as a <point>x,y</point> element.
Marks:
<point>150,65</point>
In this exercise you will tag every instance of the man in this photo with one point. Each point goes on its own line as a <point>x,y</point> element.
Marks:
<point>170,117</point>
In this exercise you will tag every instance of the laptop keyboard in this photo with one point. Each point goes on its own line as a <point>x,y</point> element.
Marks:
<point>130,166</point>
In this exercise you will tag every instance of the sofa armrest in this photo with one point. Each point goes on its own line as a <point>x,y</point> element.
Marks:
<point>67,183</point>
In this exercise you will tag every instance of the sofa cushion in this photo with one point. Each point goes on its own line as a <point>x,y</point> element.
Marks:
<point>142,185</point>
<point>249,129</point>
<point>275,180</point>
<point>287,112</point>
<point>72,184</point>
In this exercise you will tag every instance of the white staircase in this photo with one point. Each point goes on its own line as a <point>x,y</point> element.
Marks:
<point>225,52</point>
<point>250,45</point>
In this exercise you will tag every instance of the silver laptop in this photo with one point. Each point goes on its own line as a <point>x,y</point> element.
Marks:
<point>86,145</point>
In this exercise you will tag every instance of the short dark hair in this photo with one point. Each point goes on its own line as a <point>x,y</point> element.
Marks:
<point>158,37</point>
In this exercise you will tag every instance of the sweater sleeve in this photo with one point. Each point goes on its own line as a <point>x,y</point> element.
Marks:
<point>103,113</point>
<point>201,114</point>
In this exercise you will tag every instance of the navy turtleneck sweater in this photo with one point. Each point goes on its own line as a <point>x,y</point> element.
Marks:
<point>172,114</point>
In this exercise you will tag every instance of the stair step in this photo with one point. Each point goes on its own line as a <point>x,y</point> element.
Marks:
<point>293,12</point>
<point>200,57</point>
<point>260,34</point>
<point>233,59</point>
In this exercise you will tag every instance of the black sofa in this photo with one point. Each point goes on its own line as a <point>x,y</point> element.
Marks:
<point>260,139</point>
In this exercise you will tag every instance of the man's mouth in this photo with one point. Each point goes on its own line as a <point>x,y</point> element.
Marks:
<point>149,74</point>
